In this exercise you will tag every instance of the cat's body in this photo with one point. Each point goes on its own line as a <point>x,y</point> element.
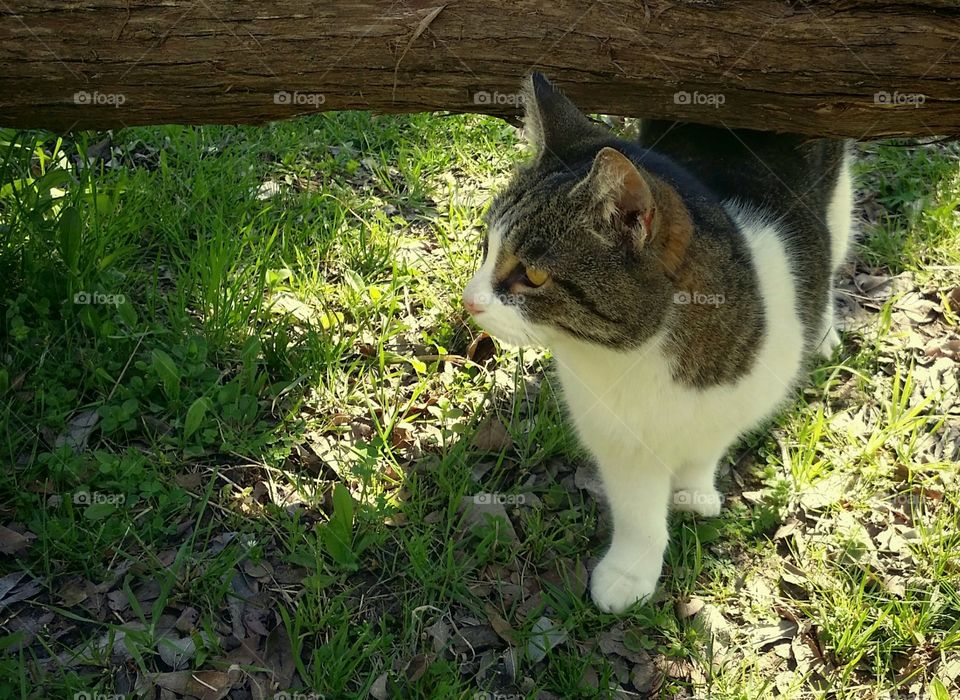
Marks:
<point>680,284</point>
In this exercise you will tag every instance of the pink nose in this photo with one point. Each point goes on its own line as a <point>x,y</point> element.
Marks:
<point>470,305</point>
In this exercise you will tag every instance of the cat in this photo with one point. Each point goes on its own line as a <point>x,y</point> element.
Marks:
<point>680,283</point>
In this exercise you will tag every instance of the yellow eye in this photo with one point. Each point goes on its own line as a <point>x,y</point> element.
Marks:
<point>536,276</point>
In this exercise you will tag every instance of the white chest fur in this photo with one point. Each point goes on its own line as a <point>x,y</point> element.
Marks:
<point>631,397</point>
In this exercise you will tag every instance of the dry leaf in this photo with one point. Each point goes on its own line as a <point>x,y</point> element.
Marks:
<point>587,479</point>
<point>644,677</point>
<point>768,635</point>
<point>478,638</point>
<point>439,633</point>
<point>499,625</point>
<point>479,512</point>
<point>418,665</point>
<point>11,593</point>
<point>545,635</point>
<point>204,685</point>
<point>176,652</point>
<point>278,657</point>
<point>379,688</point>
<point>13,542</point>
<point>481,349</point>
<point>78,431</point>
<point>688,607</point>
<point>492,436</point>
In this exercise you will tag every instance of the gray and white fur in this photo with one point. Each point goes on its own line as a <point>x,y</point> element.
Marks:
<point>680,283</point>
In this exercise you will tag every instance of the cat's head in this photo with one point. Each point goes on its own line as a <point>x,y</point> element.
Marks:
<point>583,244</point>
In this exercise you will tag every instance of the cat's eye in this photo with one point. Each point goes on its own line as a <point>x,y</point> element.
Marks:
<point>537,276</point>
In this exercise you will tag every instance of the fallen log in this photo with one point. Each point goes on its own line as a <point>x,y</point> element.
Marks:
<point>862,69</point>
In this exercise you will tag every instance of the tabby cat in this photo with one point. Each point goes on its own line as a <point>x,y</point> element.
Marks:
<point>680,283</point>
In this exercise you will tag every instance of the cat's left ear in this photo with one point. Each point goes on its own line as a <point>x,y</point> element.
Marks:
<point>551,122</point>
<point>624,197</point>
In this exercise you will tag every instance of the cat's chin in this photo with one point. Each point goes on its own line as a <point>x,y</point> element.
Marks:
<point>508,328</point>
<point>511,339</point>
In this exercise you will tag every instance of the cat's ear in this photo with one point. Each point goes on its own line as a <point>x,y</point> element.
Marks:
<point>623,196</point>
<point>551,122</point>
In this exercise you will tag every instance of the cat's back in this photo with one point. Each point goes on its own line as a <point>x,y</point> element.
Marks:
<point>802,185</point>
<point>785,174</point>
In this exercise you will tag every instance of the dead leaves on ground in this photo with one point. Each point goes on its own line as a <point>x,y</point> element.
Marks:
<point>841,525</point>
<point>112,625</point>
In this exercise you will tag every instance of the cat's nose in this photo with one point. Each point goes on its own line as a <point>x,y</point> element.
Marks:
<point>471,304</point>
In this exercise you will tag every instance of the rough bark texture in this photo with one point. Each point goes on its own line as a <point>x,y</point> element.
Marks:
<point>836,67</point>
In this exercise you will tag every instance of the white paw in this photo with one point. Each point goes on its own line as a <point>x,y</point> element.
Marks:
<point>616,585</point>
<point>705,502</point>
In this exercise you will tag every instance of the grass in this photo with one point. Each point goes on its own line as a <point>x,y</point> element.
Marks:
<point>259,445</point>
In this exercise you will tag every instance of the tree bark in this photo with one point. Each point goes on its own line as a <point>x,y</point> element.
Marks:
<point>857,68</point>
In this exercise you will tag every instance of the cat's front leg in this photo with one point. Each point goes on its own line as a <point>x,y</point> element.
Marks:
<point>638,497</point>
<point>829,336</point>
<point>694,489</point>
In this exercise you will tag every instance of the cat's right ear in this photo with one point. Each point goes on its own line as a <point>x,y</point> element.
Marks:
<point>623,196</point>
<point>640,211</point>
<point>551,122</point>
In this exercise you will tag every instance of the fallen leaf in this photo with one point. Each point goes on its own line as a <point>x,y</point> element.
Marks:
<point>204,685</point>
<point>500,625</point>
<point>712,623</point>
<point>644,677</point>
<point>189,481</point>
<point>187,621</point>
<point>479,512</point>
<point>688,607</point>
<point>806,654</point>
<point>116,600</point>
<point>439,633</point>
<point>176,652</point>
<point>877,288</point>
<point>288,305</point>
<point>618,641</point>
<point>278,656</point>
<point>28,626</point>
<point>916,308</point>
<point>768,635</point>
<point>13,542</point>
<point>953,299</point>
<point>418,666</point>
<point>379,688</point>
<point>492,436</point>
<point>793,582</point>
<point>78,431</point>
<point>545,635</point>
<point>268,189</point>
<point>74,592</point>
<point>481,349</point>
<point>587,479</point>
<point>478,638</point>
